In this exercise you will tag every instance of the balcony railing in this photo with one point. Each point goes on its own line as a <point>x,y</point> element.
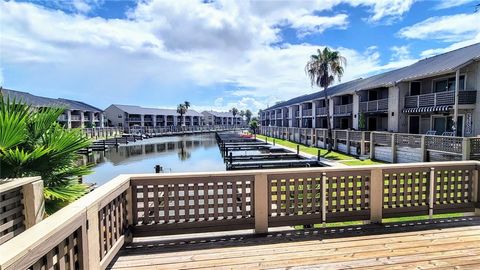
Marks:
<point>133,119</point>
<point>76,117</point>
<point>307,112</point>
<point>440,98</point>
<point>279,116</point>
<point>62,118</point>
<point>343,109</point>
<point>322,111</point>
<point>297,114</point>
<point>380,105</point>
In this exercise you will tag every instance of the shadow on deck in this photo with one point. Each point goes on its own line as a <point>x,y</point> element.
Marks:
<point>435,244</point>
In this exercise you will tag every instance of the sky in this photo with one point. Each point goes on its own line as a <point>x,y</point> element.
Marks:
<point>217,55</point>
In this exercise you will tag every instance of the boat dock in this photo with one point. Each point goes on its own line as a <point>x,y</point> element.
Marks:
<point>241,152</point>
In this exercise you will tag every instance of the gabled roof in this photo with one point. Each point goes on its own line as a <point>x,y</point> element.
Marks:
<point>133,109</point>
<point>38,101</point>
<point>432,66</point>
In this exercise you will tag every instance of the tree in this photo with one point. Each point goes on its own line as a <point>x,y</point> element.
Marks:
<point>242,114</point>
<point>248,115</point>
<point>32,143</point>
<point>254,127</point>
<point>234,112</point>
<point>322,69</point>
<point>182,109</point>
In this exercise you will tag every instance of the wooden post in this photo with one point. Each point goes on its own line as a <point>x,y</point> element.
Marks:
<point>313,137</point>
<point>318,155</point>
<point>324,199</point>
<point>33,203</point>
<point>298,149</point>
<point>261,203</point>
<point>335,142</point>
<point>431,192</point>
<point>93,236</point>
<point>423,149</point>
<point>394,148</point>
<point>372,145</point>
<point>362,144</point>
<point>348,142</point>
<point>476,190</point>
<point>129,199</point>
<point>466,148</point>
<point>376,195</point>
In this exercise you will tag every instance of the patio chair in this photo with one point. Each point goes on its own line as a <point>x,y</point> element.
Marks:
<point>448,133</point>
<point>431,132</point>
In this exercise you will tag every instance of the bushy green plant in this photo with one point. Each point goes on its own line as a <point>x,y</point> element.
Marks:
<point>32,143</point>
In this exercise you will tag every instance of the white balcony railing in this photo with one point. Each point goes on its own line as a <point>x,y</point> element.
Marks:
<point>440,98</point>
<point>380,105</point>
<point>343,109</point>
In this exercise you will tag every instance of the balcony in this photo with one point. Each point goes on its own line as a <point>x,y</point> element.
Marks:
<point>380,105</point>
<point>343,109</point>
<point>76,117</point>
<point>279,116</point>
<point>62,118</point>
<point>133,119</point>
<point>307,113</point>
<point>440,99</point>
<point>297,114</point>
<point>322,111</point>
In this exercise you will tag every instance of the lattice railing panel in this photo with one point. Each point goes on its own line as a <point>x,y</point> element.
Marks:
<point>445,144</point>
<point>347,194</point>
<point>383,139</point>
<point>11,215</point>
<point>112,223</point>
<point>406,190</point>
<point>294,195</point>
<point>453,185</point>
<point>193,201</point>
<point>408,140</point>
<point>66,255</point>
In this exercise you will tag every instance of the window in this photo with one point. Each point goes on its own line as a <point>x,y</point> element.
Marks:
<point>448,84</point>
<point>415,88</point>
<point>120,116</point>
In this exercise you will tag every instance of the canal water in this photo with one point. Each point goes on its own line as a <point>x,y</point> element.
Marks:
<point>189,153</point>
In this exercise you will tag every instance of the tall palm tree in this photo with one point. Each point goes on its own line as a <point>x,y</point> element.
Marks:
<point>322,69</point>
<point>248,115</point>
<point>32,143</point>
<point>182,109</point>
<point>234,112</point>
<point>242,114</point>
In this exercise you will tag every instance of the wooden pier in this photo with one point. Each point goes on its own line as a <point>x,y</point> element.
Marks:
<point>232,145</point>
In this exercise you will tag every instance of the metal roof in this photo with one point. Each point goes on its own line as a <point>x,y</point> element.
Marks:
<point>38,101</point>
<point>220,114</point>
<point>436,65</point>
<point>133,109</point>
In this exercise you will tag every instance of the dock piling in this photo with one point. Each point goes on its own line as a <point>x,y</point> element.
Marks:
<point>298,149</point>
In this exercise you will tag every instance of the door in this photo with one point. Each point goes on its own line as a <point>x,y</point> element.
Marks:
<point>372,123</point>
<point>439,124</point>
<point>460,125</point>
<point>414,124</point>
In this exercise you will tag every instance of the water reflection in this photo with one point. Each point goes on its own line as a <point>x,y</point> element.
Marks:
<point>174,154</point>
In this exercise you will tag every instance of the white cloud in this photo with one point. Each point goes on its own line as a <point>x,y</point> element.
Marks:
<point>446,28</point>
<point>444,4</point>
<point>177,46</point>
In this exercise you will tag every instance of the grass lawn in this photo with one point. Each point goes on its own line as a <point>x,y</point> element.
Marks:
<point>343,158</point>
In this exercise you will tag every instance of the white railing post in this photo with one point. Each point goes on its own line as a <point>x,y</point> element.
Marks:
<point>261,203</point>
<point>33,203</point>
<point>431,192</point>
<point>372,145</point>
<point>423,149</point>
<point>348,142</point>
<point>362,144</point>
<point>476,190</point>
<point>376,195</point>
<point>393,147</point>
<point>466,148</point>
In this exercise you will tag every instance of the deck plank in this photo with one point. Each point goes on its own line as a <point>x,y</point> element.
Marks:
<point>428,249</point>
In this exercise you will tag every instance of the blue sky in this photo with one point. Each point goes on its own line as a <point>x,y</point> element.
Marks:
<point>215,54</point>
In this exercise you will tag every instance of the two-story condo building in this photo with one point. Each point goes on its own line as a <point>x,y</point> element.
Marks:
<point>423,97</point>
<point>136,116</point>
<point>77,114</point>
<point>221,118</point>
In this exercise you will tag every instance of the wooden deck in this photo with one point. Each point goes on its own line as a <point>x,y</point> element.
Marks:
<point>444,244</point>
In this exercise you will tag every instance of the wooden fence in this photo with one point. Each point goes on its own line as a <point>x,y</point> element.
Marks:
<point>88,233</point>
<point>21,206</point>
<point>384,146</point>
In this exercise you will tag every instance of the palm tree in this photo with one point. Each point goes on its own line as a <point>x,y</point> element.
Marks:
<point>322,69</point>
<point>32,143</point>
<point>242,114</point>
<point>234,112</point>
<point>182,109</point>
<point>248,115</point>
<point>254,127</point>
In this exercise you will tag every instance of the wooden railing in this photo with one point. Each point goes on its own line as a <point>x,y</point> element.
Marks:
<point>21,206</point>
<point>321,111</point>
<point>440,98</point>
<point>88,233</point>
<point>103,132</point>
<point>420,147</point>
<point>380,105</point>
<point>343,109</point>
